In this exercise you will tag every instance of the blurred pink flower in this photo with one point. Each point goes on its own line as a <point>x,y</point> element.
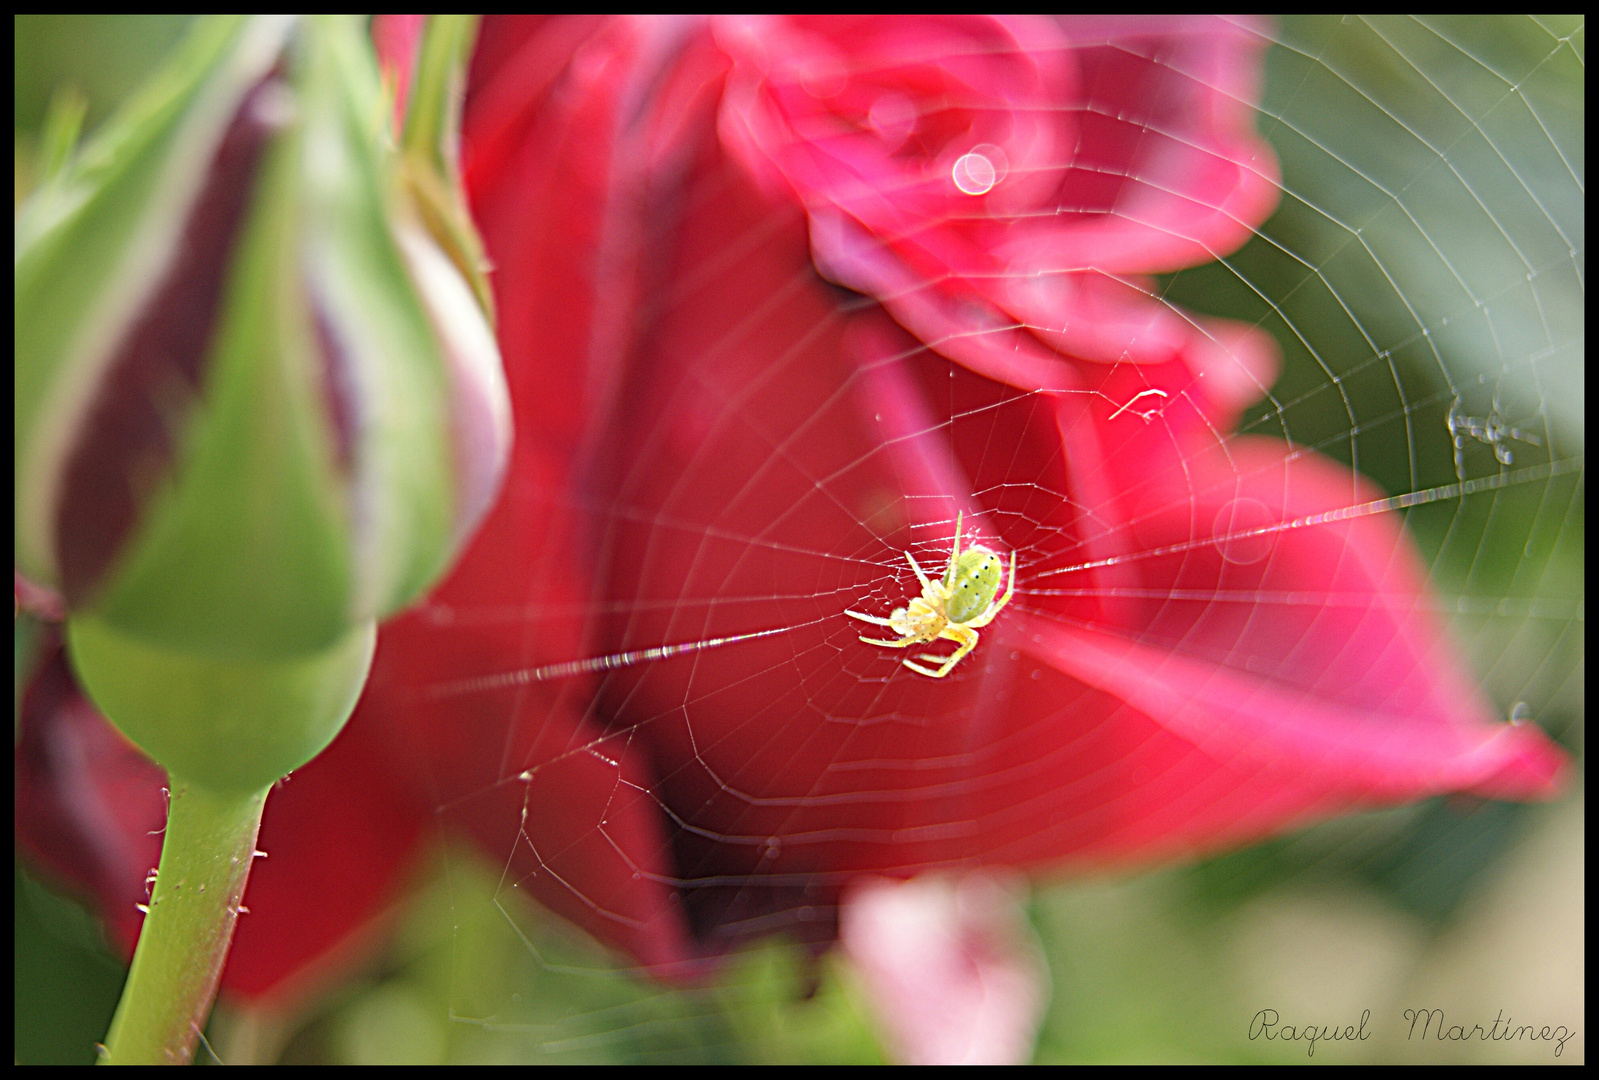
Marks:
<point>950,966</point>
<point>778,300</point>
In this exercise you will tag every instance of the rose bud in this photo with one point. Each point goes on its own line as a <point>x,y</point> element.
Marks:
<point>257,406</point>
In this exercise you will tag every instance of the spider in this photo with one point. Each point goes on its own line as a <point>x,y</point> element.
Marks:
<point>951,606</point>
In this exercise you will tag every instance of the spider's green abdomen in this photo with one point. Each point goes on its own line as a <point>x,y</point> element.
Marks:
<point>974,582</point>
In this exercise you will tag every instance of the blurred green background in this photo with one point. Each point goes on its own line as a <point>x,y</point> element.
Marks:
<point>1428,261</point>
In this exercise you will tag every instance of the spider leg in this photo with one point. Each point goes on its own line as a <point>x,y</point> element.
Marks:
<point>879,620</point>
<point>964,637</point>
<point>919,575</point>
<point>968,641</point>
<point>900,644</point>
<point>955,553</point>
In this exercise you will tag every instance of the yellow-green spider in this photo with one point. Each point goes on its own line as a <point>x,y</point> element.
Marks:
<point>952,605</point>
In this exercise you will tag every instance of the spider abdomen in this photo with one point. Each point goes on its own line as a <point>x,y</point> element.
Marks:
<point>973,583</point>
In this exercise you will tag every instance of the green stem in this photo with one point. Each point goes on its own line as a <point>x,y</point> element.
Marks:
<point>205,863</point>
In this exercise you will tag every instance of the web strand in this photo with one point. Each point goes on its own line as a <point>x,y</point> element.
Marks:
<point>610,662</point>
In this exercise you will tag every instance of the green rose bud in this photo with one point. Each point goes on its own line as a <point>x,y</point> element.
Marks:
<point>257,406</point>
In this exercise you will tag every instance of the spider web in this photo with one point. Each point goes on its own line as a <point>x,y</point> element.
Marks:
<point>1424,280</point>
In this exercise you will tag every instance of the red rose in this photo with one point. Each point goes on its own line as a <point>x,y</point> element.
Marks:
<point>778,301</point>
